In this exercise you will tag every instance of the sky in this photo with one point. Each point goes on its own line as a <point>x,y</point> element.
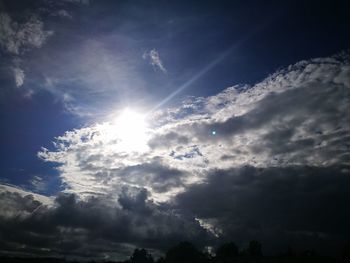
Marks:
<point>144,123</point>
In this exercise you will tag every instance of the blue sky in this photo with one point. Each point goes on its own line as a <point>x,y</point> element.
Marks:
<point>68,69</point>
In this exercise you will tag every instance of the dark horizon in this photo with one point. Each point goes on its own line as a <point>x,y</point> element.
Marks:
<point>187,252</point>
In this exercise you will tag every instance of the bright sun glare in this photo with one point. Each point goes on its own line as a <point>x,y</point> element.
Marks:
<point>131,129</point>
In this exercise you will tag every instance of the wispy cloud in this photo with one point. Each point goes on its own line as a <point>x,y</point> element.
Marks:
<point>38,183</point>
<point>17,38</point>
<point>153,57</point>
<point>84,2</point>
<point>19,76</point>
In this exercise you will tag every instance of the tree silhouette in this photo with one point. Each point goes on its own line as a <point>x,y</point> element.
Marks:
<point>160,260</point>
<point>184,252</point>
<point>141,256</point>
<point>254,249</point>
<point>227,252</point>
<point>290,252</point>
<point>346,253</point>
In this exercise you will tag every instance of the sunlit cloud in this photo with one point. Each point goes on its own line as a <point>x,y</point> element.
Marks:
<point>179,148</point>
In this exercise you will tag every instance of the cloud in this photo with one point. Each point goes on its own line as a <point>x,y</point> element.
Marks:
<point>38,183</point>
<point>297,116</point>
<point>17,38</point>
<point>91,228</point>
<point>87,64</point>
<point>20,34</point>
<point>84,2</point>
<point>14,205</point>
<point>19,76</point>
<point>22,192</point>
<point>279,159</point>
<point>61,9</point>
<point>94,64</point>
<point>154,59</point>
<point>64,13</point>
<point>298,206</point>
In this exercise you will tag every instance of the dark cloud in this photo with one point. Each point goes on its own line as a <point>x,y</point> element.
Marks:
<point>167,140</point>
<point>160,178</point>
<point>296,205</point>
<point>15,205</point>
<point>93,227</point>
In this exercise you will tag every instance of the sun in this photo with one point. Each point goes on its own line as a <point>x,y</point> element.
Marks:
<point>130,129</point>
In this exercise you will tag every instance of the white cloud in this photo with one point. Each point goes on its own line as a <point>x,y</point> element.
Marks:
<point>154,59</point>
<point>19,76</point>
<point>297,116</point>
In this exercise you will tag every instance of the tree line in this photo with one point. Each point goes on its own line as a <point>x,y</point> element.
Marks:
<point>186,252</point>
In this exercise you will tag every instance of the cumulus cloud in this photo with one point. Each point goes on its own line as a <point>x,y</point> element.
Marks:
<point>298,116</point>
<point>92,228</point>
<point>281,146</point>
<point>14,205</point>
<point>153,57</point>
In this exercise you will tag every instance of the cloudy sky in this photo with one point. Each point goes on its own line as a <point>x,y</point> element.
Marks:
<point>144,123</point>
